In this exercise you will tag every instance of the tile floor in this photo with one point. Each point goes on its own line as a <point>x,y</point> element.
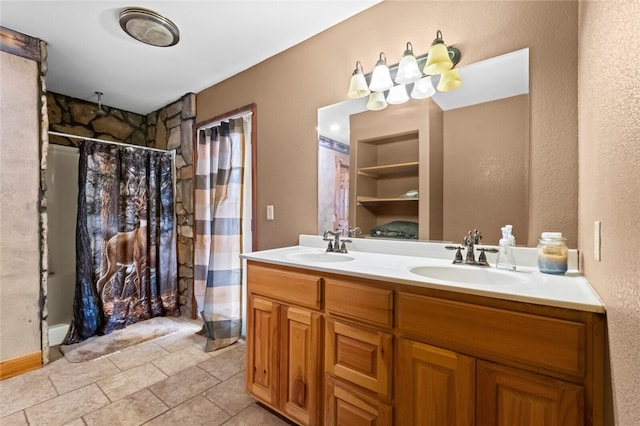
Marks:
<point>169,380</point>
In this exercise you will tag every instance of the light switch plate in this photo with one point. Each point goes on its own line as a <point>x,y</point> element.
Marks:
<point>596,241</point>
<point>269,212</point>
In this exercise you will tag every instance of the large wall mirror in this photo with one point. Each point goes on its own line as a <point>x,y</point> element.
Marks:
<point>473,163</point>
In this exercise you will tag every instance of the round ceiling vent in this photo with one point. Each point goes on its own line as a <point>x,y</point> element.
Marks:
<point>149,27</point>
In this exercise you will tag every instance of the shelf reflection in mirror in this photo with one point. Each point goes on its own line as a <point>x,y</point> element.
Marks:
<point>485,157</point>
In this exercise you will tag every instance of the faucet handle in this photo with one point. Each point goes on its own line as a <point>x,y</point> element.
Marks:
<point>482,259</point>
<point>353,232</point>
<point>458,258</point>
<point>343,247</point>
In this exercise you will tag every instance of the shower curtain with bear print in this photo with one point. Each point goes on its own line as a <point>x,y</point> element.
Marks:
<point>126,268</point>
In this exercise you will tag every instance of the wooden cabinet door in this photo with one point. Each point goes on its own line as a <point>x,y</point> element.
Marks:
<point>508,396</point>
<point>346,405</point>
<point>300,364</point>
<point>435,387</point>
<point>262,374</point>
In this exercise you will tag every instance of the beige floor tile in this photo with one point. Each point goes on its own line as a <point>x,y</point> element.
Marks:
<point>168,380</point>
<point>76,422</point>
<point>132,410</point>
<point>255,415</point>
<point>67,407</point>
<point>67,376</point>
<point>180,360</point>
<point>226,364</point>
<point>230,395</point>
<point>194,412</point>
<point>181,387</point>
<point>20,392</point>
<point>137,355</point>
<point>15,419</point>
<point>180,340</point>
<point>130,381</point>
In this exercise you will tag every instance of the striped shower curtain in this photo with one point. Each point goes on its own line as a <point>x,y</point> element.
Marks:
<point>218,226</point>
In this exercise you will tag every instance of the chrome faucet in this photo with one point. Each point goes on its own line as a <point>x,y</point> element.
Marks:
<point>353,232</point>
<point>334,245</point>
<point>469,242</point>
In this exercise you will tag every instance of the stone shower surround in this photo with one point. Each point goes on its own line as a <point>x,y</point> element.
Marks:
<point>170,127</point>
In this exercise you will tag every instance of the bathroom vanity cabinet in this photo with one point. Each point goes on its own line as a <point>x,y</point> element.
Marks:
<point>284,340</point>
<point>334,349</point>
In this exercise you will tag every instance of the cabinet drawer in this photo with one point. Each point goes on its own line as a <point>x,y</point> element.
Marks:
<point>288,286</point>
<point>360,355</point>
<point>549,343</point>
<point>347,405</point>
<point>361,302</point>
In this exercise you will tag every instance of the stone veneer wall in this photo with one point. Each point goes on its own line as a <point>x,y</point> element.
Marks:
<point>171,127</point>
<point>77,117</point>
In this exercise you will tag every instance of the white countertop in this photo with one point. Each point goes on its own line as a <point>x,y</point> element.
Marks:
<point>372,259</point>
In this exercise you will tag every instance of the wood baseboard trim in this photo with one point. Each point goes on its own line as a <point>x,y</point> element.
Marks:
<point>16,366</point>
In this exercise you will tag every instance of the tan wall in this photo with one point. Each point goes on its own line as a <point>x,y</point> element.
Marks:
<point>486,160</point>
<point>609,76</point>
<point>19,217</point>
<point>290,87</point>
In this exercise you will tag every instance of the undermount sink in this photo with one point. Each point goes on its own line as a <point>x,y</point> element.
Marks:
<point>319,256</point>
<point>471,275</point>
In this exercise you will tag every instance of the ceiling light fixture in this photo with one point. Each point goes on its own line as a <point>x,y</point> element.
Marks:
<point>412,75</point>
<point>149,27</point>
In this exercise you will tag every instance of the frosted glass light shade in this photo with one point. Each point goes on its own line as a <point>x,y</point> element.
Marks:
<point>397,95</point>
<point>449,81</point>
<point>376,101</point>
<point>358,87</point>
<point>438,60</point>
<point>381,77</point>
<point>423,88</point>
<point>408,70</point>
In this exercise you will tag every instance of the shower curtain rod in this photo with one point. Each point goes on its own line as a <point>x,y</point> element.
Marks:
<point>230,117</point>
<point>66,135</point>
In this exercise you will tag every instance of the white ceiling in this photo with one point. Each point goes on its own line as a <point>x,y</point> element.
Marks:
<point>88,51</point>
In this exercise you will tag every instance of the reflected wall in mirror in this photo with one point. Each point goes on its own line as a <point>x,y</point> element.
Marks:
<point>465,152</point>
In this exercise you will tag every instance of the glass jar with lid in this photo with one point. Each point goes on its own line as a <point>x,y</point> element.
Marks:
<point>553,253</point>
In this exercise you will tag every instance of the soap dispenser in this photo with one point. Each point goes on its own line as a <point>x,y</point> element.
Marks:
<point>506,258</point>
<point>512,239</point>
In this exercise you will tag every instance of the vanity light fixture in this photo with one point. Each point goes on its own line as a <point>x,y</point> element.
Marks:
<point>423,88</point>
<point>438,59</point>
<point>381,77</point>
<point>408,70</point>
<point>149,27</point>
<point>450,80</point>
<point>358,87</point>
<point>412,76</point>
<point>376,101</point>
<point>397,95</point>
